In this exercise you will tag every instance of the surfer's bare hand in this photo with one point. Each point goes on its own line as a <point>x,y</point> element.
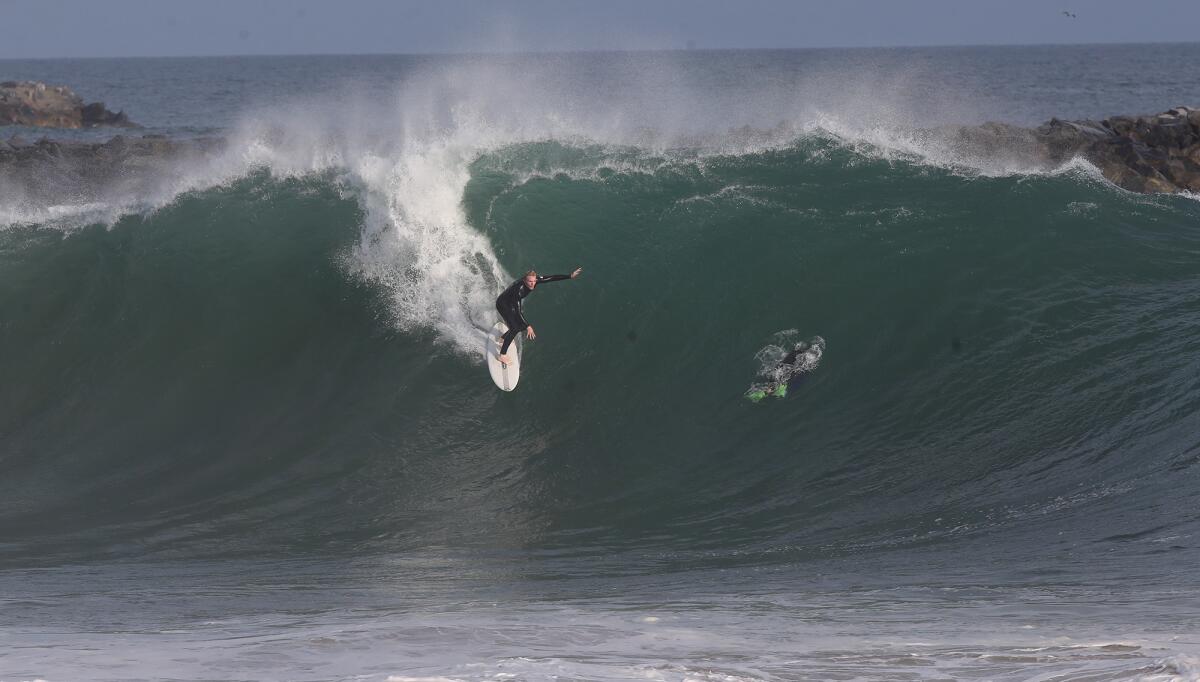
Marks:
<point>529,333</point>
<point>576,273</point>
<point>504,360</point>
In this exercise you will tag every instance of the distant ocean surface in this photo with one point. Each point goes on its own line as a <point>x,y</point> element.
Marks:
<point>246,432</point>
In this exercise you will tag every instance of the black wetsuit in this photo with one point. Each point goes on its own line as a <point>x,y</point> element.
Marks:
<point>508,305</point>
<point>788,366</point>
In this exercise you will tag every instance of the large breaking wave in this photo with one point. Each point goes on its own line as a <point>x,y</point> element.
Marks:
<point>272,346</point>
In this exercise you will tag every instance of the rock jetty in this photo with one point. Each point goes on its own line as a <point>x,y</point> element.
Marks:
<point>1159,153</point>
<point>29,103</point>
<point>1147,154</point>
<point>104,158</point>
<point>49,172</point>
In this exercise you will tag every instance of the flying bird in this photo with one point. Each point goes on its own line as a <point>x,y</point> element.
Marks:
<point>1068,14</point>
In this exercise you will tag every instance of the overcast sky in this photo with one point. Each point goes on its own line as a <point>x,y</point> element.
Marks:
<point>122,28</point>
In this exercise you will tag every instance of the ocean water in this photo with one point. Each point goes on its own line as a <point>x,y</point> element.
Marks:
<point>246,432</point>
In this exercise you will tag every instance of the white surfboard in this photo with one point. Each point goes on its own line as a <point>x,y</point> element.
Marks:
<point>505,376</point>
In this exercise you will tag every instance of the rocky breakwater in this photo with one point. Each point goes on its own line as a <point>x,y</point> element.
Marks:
<point>29,103</point>
<point>1148,154</point>
<point>64,173</point>
<point>103,158</point>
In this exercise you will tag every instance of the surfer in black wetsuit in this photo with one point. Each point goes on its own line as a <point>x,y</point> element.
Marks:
<point>508,304</point>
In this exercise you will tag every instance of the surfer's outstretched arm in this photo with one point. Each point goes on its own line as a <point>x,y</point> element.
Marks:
<point>558,278</point>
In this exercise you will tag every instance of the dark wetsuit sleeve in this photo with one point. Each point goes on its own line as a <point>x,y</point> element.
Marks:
<point>552,278</point>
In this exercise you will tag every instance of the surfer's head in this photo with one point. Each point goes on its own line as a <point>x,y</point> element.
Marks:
<point>531,279</point>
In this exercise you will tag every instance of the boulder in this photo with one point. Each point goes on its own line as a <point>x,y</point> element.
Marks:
<point>95,114</point>
<point>30,103</point>
<point>1159,153</point>
<point>37,104</point>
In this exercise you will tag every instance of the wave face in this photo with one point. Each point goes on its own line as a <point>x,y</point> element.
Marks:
<point>217,367</point>
<point>271,357</point>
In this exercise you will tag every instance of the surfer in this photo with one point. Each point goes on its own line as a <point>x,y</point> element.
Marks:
<point>508,304</point>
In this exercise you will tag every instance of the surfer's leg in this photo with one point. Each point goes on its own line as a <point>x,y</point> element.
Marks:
<point>512,318</point>
<point>508,339</point>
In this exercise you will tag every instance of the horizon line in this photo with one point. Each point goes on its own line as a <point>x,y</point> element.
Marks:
<point>536,52</point>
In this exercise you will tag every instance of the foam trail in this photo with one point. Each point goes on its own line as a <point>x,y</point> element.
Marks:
<point>439,271</point>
